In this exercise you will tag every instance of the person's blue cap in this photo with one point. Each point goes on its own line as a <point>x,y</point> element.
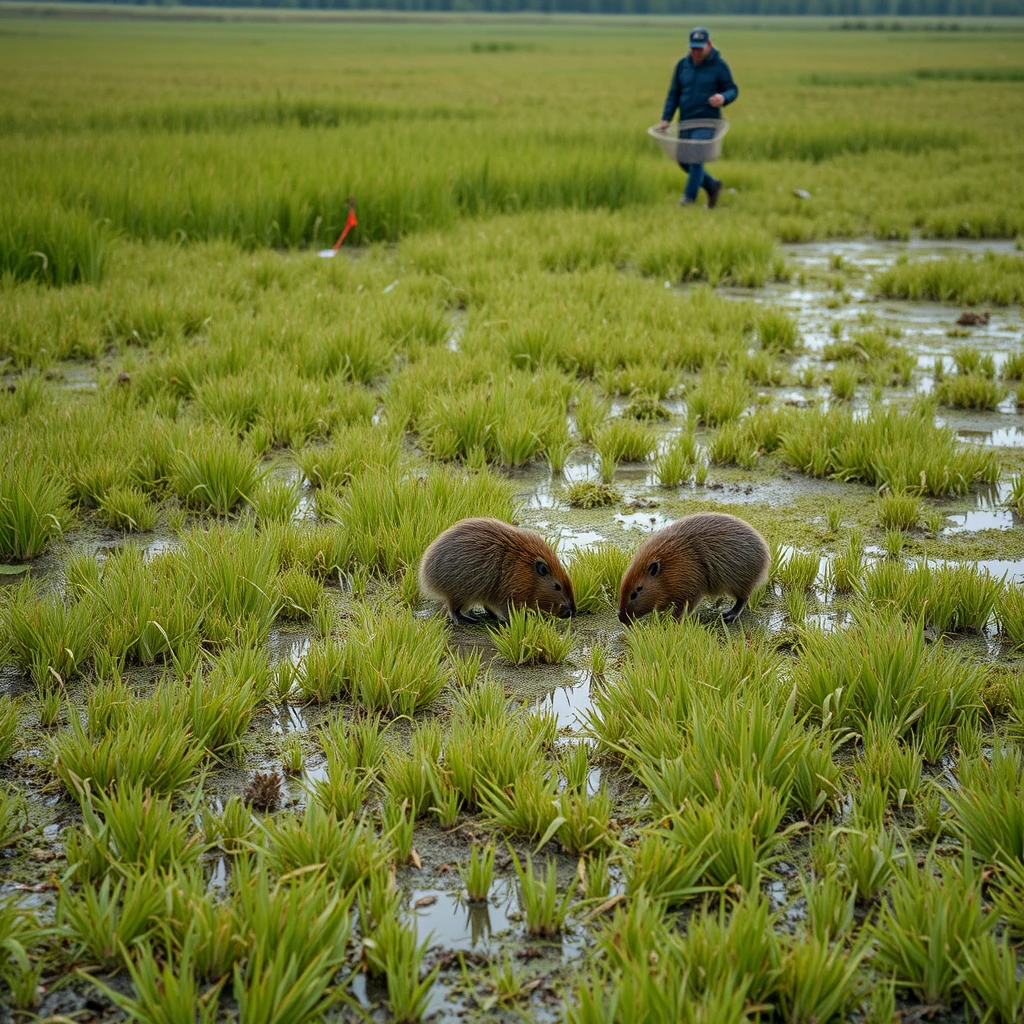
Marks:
<point>699,38</point>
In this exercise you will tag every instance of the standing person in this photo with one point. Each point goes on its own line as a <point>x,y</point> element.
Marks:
<point>701,85</point>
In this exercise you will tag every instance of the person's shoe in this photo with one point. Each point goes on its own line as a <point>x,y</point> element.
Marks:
<point>686,201</point>
<point>713,196</point>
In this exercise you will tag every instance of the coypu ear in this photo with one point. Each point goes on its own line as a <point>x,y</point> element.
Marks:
<point>654,569</point>
<point>541,567</point>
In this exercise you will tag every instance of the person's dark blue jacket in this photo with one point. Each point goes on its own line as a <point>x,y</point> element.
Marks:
<point>694,84</point>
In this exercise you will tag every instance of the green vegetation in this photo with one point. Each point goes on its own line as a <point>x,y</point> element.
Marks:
<point>228,706</point>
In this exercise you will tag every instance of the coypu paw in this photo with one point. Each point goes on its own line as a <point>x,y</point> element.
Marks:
<point>733,613</point>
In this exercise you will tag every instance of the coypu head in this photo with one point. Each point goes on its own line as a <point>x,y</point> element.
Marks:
<point>539,581</point>
<point>653,581</point>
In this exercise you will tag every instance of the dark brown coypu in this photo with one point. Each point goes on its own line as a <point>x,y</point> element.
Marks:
<point>490,563</point>
<point>710,554</point>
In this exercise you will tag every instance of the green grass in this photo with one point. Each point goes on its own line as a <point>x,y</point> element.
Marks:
<point>992,278</point>
<point>224,457</point>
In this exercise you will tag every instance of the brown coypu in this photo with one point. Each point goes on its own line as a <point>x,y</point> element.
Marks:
<point>490,563</point>
<point>710,554</point>
<point>968,318</point>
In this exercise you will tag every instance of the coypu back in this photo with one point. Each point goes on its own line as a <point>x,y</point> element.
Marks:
<point>491,563</point>
<point>709,554</point>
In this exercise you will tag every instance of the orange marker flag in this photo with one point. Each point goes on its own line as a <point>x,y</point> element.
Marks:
<point>349,225</point>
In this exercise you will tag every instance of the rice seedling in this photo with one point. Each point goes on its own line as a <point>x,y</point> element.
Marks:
<point>892,766</point>
<point>538,895</point>
<point>215,473</point>
<point>466,667</point>
<point>882,671</point>
<point>231,829</point>
<point>48,637</point>
<point>13,817</point>
<point>987,807</point>
<point>275,501</point>
<point>344,789</point>
<point>478,874</point>
<point>104,921</point>
<point>970,391</point>
<point>817,780</point>
<point>346,847</point>
<point>408,992</point>
<point>34,509</point>
<point>394,662</point>
<point>490,756</point>
<point>777,330</point>
<point>717,399</point>
<point>819,981</point>
<point>904,451</point>
<point>321,674</point>
<point>398,826</point>
<point>675,464</point>
<point>167,992</point>
<point>590,413</point>
<point>528,807</point>
<point>361,743</point>
<point>531,639</point>
<point>622,440</point>
<point>153,747</point>
<point>285,976</point>
<point>843,380</point>
<point>596,573</point>
<point>935,915</point>
<point>9,738</point>
<point>128,508</point>
<point>868,859</point>
<point>898,510</point>
<point>799,571</point>
<point>990,982</point>
<point>591,494</point>
<point>594,874</point>
<point>830,906</point>
<point>646,406</point>
<point>220,705</point>
<point>1010,614</point>
<point>586,821</point>
<point>846,570</point>
<point>301,594</point>
<point>893,543</point>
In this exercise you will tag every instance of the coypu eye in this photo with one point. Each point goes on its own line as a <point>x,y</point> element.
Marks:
<point>541,567</point>
<point>558,586</point>
<point>655,568</point>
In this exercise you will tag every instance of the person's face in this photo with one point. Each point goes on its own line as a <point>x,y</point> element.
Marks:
<point>698,53</point>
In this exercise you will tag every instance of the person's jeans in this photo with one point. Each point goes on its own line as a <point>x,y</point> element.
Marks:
<point>698,177</point>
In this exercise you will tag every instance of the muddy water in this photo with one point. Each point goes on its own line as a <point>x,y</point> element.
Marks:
<point>984,528</point>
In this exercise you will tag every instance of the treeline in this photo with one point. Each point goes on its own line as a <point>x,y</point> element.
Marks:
<point>822,8</point>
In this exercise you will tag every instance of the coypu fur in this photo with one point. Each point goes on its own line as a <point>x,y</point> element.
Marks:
<point>709,554</point>
<point>490,563</point>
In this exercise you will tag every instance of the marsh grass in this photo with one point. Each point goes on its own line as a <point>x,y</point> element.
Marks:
<point>543,910</point>
<point>591,494</point>
<point>529,638</point>
<point>993,277</point>
<point>395,662</point>
<point>935,914</point>
<point>622,440</point>
<point>478,874</point>
<point>987,808</point>
<point>898,510</point>
<point>674,465</point>
<point>716,399</point>
<point>596,573</point>
<point>215,473</point>
<point>34,509</point>
<point>970,391</point>
<point>904,451</point>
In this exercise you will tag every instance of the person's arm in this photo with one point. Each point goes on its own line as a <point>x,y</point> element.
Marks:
<point>727,88</point>
<point>672,100</point>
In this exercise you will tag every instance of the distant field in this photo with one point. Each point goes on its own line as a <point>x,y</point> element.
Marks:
<point>259,132</point>
<point>248,772</point>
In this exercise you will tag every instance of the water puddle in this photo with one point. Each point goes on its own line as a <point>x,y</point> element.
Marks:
<point>570,703</point>
<point>981,519</point>
<point>455,923</point>
<point>1001,437</point>
<point>646,520</point>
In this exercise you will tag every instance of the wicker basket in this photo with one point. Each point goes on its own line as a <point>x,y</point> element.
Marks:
<point>691,151</point>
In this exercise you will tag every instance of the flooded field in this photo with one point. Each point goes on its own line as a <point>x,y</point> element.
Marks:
<point>248,772</point>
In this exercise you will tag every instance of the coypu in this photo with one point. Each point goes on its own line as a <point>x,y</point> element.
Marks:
<point>969,318</point>
<point>710,554</point>
<point>490,563</point>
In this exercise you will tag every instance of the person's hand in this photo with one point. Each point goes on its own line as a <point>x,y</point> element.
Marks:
<point>717,100</point>
<point>663,125</point>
